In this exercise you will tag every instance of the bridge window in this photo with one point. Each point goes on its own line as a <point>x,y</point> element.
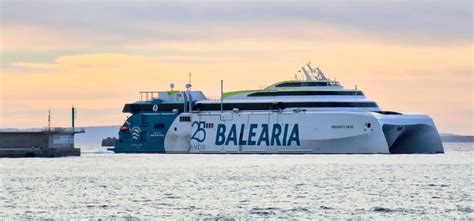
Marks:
<point>305,93</point>
<point>308,84</point>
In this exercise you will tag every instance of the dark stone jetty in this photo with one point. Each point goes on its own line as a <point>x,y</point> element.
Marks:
<point>47,142</point>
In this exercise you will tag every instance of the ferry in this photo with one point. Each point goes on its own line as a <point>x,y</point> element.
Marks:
<point>314,115</point>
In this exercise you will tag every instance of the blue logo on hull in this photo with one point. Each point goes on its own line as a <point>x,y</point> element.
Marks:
<point>268,136</point>
<point>256,135</point>
<point>199,134</point>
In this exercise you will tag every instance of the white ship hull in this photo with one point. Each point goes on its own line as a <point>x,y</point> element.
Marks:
<point>312,132</point>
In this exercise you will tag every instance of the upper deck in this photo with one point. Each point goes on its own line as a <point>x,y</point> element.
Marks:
<point>316,91</point>
<point>316,86</point>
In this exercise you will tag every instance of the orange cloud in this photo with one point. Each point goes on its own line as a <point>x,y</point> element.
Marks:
<point>435,80</point>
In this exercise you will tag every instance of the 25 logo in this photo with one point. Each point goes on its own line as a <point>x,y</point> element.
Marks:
<point>199,134</point>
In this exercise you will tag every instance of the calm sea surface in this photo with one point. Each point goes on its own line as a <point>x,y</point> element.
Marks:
<point>100,184</point>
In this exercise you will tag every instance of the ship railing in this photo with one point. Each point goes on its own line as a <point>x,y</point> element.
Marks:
<point>149,95</point>
<point>244,98</point>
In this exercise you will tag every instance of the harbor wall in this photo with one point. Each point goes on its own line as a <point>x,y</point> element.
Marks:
<point>43,143</point>
<point>24,140</point>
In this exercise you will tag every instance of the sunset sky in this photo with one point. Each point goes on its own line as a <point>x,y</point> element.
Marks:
<point>409,56</point>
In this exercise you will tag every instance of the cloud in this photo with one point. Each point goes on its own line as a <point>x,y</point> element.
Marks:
<point>439,22</point>
<point>431,80</point>
<point>98,54</point>
<point>63,28</point>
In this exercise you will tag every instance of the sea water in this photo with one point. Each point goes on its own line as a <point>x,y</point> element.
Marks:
<point>100,184</point>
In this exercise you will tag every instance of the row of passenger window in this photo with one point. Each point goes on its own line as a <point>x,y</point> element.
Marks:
<point>185,119</point>
<point>181,119</point>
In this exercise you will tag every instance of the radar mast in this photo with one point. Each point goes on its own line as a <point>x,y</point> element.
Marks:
<point>316,72</point>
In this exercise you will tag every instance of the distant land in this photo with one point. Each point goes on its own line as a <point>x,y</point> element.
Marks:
<point>97,133</point>
<point>456,138</point>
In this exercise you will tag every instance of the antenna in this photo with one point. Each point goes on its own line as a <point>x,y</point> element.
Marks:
<point>189,85</point>
<point>309,66</point>
<point>222,96</point>
<point>49,119</point>
<point>73,110</point>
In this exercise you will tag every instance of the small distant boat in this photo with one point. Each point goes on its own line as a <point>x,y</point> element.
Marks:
<point>312,116</point>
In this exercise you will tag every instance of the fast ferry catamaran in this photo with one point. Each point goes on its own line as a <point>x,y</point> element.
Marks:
<point>312,116</point>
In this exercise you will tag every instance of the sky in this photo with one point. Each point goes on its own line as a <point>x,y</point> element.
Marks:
<point>409,56</point>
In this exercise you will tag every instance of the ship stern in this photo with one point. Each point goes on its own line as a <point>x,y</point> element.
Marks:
<point>410,133</point>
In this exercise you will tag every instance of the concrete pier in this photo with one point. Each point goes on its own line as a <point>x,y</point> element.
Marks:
<point>47,142</point>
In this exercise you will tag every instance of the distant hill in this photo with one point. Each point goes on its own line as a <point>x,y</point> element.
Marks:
<point>456,138</point>
<point>94,135</point>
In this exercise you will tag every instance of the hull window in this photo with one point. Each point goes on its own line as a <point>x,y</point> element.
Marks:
<point>305,93</point>
<point>185,119</point>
